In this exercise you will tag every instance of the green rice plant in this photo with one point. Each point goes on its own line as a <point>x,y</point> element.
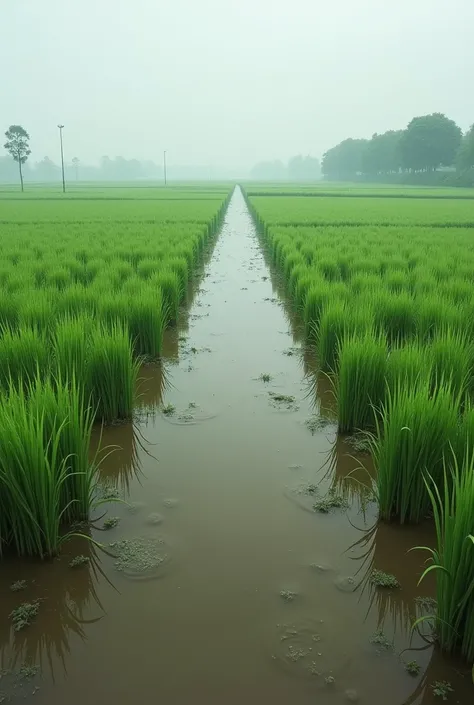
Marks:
<point>339,319</point>
<point>36,310</point>
<point>70,346</point>
<point>452,502</point>
<point>68,416</point>
<point>9,311</point>
<point>32,473</point>
<point>452,357</point>
<point>24,353</point>
<point>360,385</point>
<point>409,365</point>
<point>147,317</point>
<point>395,315</point>
<point>415,427</point>
<point>112,373</point>
<point>434,314</point>
<point>172,292</point>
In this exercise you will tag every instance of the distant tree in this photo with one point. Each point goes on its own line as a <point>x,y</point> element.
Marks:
<point>304,168</point>
<point>75,163</point>
<point>430,141</point>
<point>46,170</point>
<point>465,156</point>
<point>270,171</point>
<point>382,154</point>
<point>345,160</point>
<point>18,144</point>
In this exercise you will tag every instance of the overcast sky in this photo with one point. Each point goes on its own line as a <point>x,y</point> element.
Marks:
<point>228,82</point>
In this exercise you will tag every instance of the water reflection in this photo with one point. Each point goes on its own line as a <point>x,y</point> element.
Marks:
<point>117,449</point>
<point>68,603</point>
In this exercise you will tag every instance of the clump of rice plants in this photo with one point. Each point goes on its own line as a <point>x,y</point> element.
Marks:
<point>452,357</point>
<point>339,319</point>
<point>70,346</point>
<point>67,415</point>
<point>452,501</point>
<point>360,386</point>
<point>414,430</point>
<point>395,315</point>
<point>45,476</point>
<point>112,373</point>
<point>409,365</point>
<point>24,353</point>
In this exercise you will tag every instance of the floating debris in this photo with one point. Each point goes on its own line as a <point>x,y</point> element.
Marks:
<point>384,580</point>
<point>18,585</point>
<point>413,668</point>
<point>111,522</point>
<point>381,640</point>
<point>333,500</point>
<point>442,689</point>
<point>288,595</point>
<point>23,615</point>
<point>79,561</point>
<point>139,557</point>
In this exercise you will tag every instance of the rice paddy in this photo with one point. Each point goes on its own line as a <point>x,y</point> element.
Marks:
<point>245,526</point>
<point>88,285</point>
<point>384,286</point>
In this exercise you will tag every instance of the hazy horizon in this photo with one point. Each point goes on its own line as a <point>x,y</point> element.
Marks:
<point>228,84</point>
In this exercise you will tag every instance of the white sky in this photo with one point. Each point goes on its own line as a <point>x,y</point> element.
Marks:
<point>228,82</point>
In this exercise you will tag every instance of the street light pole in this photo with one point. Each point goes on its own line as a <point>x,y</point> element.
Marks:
<point>62,155</point>
<point>164,164</point>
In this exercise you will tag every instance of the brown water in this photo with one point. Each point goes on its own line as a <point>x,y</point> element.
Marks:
<point>222,493</point>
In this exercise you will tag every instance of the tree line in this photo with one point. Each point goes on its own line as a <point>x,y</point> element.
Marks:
<point>431,149</point>
<point>298,168</point>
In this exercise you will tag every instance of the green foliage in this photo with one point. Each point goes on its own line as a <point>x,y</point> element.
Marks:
<point>45,475</point>
<point>112,373</point>
<point>452,501</point>
<point>430,141</point>
<point>360,385</point>
<point>414,430</point>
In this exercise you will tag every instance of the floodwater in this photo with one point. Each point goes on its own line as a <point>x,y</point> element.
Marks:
<point>224,585</point>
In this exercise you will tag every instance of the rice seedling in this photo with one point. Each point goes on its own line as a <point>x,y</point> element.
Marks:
<point>112,373</point>
<point>409,365</point>
<point>452,357</point>
<point>339,320</point>
<point>45,476</point>
<point>413,431</point>
<point>68,416</point>
<point>70,346</point>
<point>24,353</point>
<point>360,385</point>
<point>452,502</point>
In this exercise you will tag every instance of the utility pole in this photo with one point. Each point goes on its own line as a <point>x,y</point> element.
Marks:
<point>62,155</point>
<point>164,164</point>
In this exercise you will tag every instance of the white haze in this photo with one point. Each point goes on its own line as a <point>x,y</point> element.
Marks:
<point>228,83</point>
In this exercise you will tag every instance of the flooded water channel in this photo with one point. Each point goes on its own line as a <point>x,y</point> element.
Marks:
<point>224,585</point>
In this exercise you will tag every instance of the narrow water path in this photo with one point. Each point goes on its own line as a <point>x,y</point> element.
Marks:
<point>239,592</point>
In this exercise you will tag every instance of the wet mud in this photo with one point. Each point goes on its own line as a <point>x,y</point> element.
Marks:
<point>220,582</point>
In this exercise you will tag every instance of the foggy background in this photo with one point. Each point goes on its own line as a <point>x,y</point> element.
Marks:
<point>221,84</point>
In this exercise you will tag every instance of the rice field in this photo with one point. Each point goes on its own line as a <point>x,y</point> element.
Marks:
<point>384,288</point>
<point>218,444</point>
<point>88,285</point>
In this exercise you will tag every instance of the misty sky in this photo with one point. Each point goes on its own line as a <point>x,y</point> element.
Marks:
<point>228,82</point>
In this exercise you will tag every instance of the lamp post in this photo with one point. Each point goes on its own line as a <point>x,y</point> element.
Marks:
<point>62,155</point>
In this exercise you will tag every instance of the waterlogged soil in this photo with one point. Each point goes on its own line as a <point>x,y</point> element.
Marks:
<point>239,569</point>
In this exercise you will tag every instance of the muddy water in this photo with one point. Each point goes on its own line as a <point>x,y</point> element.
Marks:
<point>231,588</point>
